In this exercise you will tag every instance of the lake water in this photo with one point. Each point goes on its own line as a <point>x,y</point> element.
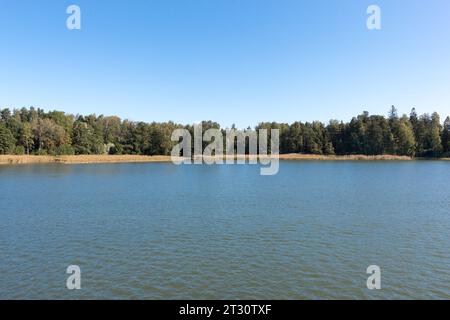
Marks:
<point>159,231</point>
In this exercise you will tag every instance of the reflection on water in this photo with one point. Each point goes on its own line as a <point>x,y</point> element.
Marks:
<point>159,231</point>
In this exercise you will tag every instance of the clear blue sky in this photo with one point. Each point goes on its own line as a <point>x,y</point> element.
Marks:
<point>232,61</point>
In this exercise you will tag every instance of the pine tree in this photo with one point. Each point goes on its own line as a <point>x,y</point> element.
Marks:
<point>7,140</point>
<point>446,136</point>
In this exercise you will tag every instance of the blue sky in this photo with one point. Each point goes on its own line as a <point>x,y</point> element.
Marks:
<point>232,61</point>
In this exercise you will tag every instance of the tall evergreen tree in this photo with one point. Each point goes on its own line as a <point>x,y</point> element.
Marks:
<point>446,136</point>
<point>7,141</point>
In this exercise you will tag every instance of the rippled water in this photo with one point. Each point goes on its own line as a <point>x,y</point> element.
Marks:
<point>159,231</point>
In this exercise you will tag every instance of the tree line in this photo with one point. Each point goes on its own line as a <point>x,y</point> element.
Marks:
<point>34,131</point>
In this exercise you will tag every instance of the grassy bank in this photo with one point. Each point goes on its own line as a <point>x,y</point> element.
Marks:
<point>345,158</point>
<point>80,159</point>
<point>13,159</point>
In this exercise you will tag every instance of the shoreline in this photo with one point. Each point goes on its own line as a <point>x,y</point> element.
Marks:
<point>92,159</point>
<point>80,159</point>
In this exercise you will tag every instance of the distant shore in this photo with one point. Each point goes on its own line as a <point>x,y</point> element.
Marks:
<point>80,159</point>
<point>85,159</point>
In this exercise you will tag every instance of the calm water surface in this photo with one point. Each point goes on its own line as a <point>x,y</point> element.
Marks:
<point>159,231</point>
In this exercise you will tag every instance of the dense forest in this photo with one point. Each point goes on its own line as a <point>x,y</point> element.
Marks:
<point>34,131</point>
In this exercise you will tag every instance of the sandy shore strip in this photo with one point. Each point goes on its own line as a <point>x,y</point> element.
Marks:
<point>81,159</point>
